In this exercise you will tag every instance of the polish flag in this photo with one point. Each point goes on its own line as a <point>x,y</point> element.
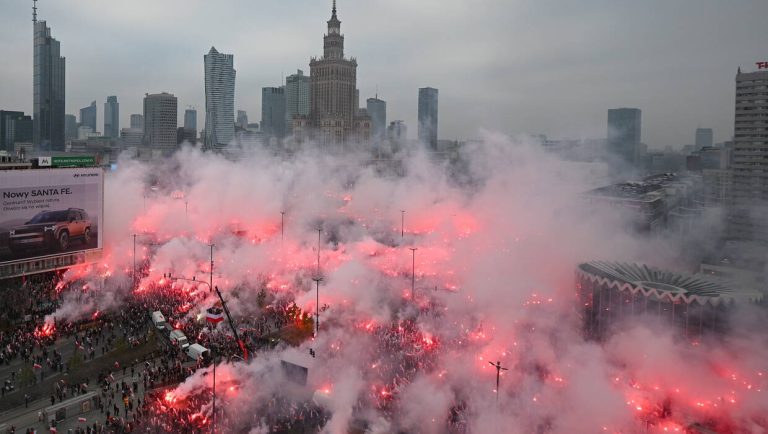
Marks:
<point>214,315</point>
<point>81,419</point>
<point>36,366</point>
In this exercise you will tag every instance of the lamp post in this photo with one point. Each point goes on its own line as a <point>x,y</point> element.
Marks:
<point>402,223</point>
<point>413,273</point>
<point>319,231</point>
<point>134,262</point>
<point>317,280</point>
<point>282,225</point>
<point>213,418</point>
<point>498,367</point>
<point>210,278</point>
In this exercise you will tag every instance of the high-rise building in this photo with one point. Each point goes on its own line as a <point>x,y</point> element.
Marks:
<point>137,122</point>
<point>397,132</point>
<point>704,138</point>
<point>273,111</point>
<point>296,98</point>
<point>377,109</point>
<point>190,119</point>
<point>748,213</point>
<point>242,119</point>
<point>160,120</point>
<point>219,99</point>
<point>70,127</point>
<point>112,117</point>
<point>428,103</point>
<point>49,89</point>
<point>333,118</point>
<point>131,137</point>
<point>624,126</point>
<point>88,116</point>
<point>14,127</point>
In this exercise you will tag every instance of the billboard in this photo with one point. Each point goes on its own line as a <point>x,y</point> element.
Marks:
<point>48,213</point>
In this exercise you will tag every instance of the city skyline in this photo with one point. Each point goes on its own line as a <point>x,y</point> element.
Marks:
<point>603,62</point>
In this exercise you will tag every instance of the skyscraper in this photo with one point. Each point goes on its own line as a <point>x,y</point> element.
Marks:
<point>333,119</point>
<point>296,98</point>
<point>160,120</point>
<point>49,90</point>
<point>70,127</point>
<point>704,138</point>
<point>273,111</point>
<point>190,119</point>
<point>137,122</point>
<point>748,213</point>
<point>428,103</point>
<point>219,99</point>
<point>88,116</point>
<point>242,119</point>
<point>14,127</point>
<point>624,127</point>
<point>112,118</point>
<point>377,109</point>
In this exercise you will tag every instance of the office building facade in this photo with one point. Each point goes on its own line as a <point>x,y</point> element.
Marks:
<point>428,114</point>
<point>377,110</point>
<point>190,119</point>
<point>624,133</point>
<point>88,116</point>
<point>48,90</point>
<point>70,127</point>
<point>160,121</point>
<point>704,138</point>
<point>112,118</point>
<point>273,112</point>
<point>219,99</point>
<point>15,127</point>
<point>748,213</point>
<point>137,122</point>
<point>297,95</point>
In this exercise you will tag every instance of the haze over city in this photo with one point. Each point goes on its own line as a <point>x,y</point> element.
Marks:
<point>505,65</point>
<point>377,217</point>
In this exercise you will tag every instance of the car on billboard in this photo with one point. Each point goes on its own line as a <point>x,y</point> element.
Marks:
<point>52,230</point>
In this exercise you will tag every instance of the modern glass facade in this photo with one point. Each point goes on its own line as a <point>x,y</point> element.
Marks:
<point>48,90</point>
<point>428,104</point>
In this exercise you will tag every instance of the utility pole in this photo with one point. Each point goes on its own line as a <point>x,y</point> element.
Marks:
<point>317,280</point>
<point>498,367</point>
<point>413,274</point>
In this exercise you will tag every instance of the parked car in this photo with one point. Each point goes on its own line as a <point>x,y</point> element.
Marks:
<point>52,230</point>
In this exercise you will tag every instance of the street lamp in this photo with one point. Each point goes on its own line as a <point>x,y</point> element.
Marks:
<point>402,223</point>
<point>282,225</point>
<point>413,273</point>
<point>319,231</point>
<point>317,280</point>
<point>498,367</point>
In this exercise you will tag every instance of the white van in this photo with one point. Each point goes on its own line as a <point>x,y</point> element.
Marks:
<point>177,337</point>
<point>196,351</point>
<point>158,319</point>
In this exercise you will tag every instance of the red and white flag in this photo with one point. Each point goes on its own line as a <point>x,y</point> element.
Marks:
<point>36,366</point>
<point>214,315</point>
<point>81,419</point>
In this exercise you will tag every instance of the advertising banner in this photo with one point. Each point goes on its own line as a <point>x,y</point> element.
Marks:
<point>48,212</point>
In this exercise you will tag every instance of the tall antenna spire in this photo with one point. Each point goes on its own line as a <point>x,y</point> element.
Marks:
<point>34,10</point>
<point>334,7</point>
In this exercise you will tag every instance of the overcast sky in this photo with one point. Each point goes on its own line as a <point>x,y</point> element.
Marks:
<point>515,66</point>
